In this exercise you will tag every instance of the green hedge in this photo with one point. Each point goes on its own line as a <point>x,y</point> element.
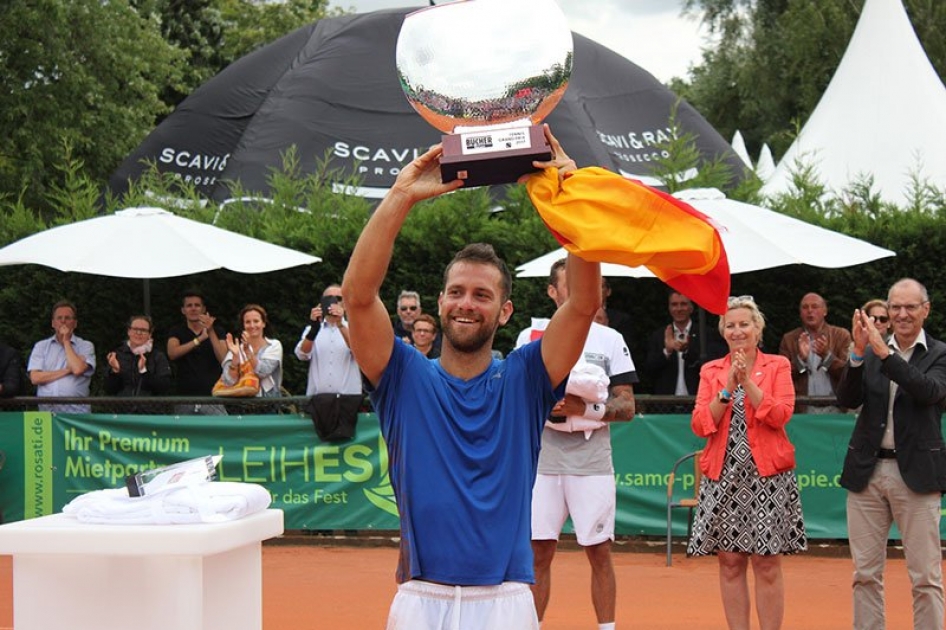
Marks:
<point>434,231</point>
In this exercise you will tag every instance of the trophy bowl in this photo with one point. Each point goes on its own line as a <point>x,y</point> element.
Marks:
<point>486,73</point>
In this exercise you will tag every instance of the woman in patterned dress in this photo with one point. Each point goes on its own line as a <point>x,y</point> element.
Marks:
<point>749,508</point>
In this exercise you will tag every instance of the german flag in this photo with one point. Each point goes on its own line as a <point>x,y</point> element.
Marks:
<point>602,217</point>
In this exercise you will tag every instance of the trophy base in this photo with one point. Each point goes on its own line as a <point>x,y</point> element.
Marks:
<point>493,156</point>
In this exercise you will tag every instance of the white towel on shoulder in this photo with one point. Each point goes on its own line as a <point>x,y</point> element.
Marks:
<point>208,502</point>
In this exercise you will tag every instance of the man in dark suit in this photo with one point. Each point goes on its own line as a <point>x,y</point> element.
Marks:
<point>895,468</point>
<point>673,352</point>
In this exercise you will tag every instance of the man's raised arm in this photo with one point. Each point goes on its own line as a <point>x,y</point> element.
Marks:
<point>371,336</point>
<point>564,338</point>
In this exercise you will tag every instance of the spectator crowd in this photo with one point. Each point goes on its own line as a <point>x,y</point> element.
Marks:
<point>490,455</point>
<point>190,357</point>
<point>884,368</point>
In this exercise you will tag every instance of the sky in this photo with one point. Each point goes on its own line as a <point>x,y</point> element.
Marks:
<point>651,33</point>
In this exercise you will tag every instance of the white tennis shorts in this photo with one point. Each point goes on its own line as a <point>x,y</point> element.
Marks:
<point>590,500</point>
<point>422,605</point>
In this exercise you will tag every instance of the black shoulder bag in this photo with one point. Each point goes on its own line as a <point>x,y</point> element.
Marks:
<point>335,416</point>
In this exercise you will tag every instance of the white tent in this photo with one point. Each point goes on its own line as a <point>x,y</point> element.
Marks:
<point>739,146</point>
<point>883,114</point>
<point>765,167</point>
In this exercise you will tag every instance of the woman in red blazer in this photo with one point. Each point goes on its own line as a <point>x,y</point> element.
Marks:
<point>749,508</point>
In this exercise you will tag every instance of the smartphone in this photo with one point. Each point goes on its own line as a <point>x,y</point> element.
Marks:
<point>327,301</point>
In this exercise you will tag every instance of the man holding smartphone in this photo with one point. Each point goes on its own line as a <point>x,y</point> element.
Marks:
<point>324,344</point>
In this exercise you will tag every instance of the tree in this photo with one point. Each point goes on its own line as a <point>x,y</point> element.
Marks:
<point>774,59</point>
<point>252,23</point>
<point>196,27</point>
<point>92,78</point>
<point>76,75</point>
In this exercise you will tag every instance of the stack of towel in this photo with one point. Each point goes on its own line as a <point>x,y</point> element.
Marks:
<point>208,502</point>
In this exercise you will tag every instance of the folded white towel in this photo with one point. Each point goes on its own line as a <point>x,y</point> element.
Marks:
<point>590,383</point>
<point>208,502</point>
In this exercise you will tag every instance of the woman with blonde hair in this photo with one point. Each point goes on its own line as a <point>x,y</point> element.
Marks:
<point>749,508</point>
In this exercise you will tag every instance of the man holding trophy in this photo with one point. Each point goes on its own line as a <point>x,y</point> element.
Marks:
<point>463,432</point>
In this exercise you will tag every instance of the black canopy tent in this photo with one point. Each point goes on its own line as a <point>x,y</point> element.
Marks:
<point>331,89</point>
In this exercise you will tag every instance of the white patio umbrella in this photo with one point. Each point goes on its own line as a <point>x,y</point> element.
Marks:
<point>148,243</point>
<point>755,238</point>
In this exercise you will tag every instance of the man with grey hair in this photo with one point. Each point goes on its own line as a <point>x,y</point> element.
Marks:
<point>408,308</point>
<point>895,467</point>
<point>817,351</point>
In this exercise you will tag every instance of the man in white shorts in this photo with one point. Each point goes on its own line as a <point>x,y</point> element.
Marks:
<point>576,474</point>
<point>461,426</point>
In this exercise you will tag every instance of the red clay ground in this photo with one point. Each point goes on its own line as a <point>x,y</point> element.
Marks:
<point>313,588</point>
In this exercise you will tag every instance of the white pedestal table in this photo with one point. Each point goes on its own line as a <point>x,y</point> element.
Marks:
<point>77,576</point>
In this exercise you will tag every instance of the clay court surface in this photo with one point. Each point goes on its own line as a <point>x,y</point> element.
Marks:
<point>311,587</point>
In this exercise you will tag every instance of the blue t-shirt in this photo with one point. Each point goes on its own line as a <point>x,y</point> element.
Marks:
<point>462,458</point>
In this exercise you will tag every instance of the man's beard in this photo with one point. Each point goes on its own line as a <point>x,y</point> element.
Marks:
<point>471,342</point>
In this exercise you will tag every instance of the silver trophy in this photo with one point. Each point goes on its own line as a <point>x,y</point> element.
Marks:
<point>486,73</point>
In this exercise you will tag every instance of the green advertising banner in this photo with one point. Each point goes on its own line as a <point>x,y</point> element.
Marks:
<point>52,458</point>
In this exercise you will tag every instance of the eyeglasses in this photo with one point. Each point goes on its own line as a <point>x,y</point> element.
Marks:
<point>407,308</point>
<point>740,299</point>
<point>426,331</point>
<point>909,308</point>
<point>140,331</point>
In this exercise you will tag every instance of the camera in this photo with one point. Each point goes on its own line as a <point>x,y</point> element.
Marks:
<point>681,336</point>
<point>326,302</point>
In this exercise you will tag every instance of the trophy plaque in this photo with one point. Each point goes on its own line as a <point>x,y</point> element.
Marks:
<point>486,73</point>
